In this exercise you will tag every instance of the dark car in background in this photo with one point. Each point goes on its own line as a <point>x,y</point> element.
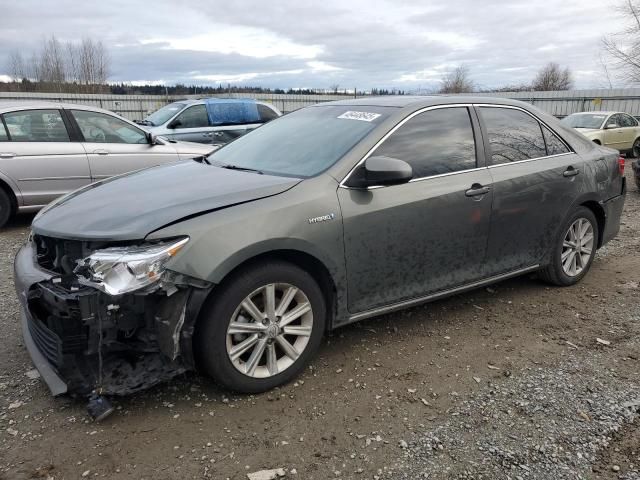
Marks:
<point>209,120</point>
<point>239,263</point>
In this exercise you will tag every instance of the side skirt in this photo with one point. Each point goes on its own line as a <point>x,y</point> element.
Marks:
<point>374,312</point>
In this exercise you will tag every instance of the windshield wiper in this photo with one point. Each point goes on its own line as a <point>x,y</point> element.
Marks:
<point>238,167</point>
<point>148,123</point>
<point>202,159</point>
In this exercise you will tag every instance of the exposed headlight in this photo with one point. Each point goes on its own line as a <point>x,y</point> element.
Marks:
<point>119,270</point>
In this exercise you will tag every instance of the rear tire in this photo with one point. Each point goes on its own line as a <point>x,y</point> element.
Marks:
<point>6,208</point>
<point>573,249</point>
<point>253,309</point>
<point>635,150</point>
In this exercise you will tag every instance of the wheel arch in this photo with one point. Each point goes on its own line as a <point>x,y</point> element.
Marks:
<point>600,215</point>
<point>4,185</point>
<point>305,256</point>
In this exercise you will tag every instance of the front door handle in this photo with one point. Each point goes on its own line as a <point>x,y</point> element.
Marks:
<point>7,155</point>
<point>101,151</point>
<point>477,190</point>
<point>570,172</point>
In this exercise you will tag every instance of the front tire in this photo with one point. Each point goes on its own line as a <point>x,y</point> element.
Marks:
<point>261,327</point>
<point>574,249</point>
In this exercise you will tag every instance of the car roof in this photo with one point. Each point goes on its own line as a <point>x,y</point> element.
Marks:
<point>191,101</point>
<point>420,101</point>
<point>598,112</point>
<point>11,105</point>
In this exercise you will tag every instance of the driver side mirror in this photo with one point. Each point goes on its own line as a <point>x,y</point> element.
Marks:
<point>611,125</point>
<point>381,171</point>
<point>152,139</point>
<point>174,124</point>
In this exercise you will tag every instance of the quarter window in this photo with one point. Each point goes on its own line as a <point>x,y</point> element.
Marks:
<point>36,126</point>
<point>434,142</point>
<point>193,117</point>
<point>513,135</point>
<point>555,146</point>
<point>102,128</point>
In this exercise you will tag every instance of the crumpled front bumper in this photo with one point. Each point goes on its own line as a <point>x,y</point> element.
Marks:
<point>25,275</point>
<point>82,340</point>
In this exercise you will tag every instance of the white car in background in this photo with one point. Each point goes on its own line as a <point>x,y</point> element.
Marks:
<point>48,149</point>
<point>611,129</point>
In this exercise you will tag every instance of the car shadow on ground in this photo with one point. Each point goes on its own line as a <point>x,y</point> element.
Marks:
<point>341,342</point>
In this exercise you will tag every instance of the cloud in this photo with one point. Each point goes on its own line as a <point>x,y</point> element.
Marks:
<point>292,43</point>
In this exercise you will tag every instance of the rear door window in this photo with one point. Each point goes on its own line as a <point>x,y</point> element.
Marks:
<point>36,126</point>
<point>434,142</point>
<point>193,117</point>
<point>513,135</point>
<point>233,113</point>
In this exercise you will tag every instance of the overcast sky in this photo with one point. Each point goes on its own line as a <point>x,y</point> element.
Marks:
<point>406,44</point>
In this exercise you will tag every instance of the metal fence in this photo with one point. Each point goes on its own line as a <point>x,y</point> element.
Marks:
<point>560,103</point>
<point>135,107</point>
<point>566,102</point>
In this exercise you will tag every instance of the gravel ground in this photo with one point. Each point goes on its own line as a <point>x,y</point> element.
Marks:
<point>505,382</point>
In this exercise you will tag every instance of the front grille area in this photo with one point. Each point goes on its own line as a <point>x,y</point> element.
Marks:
<point>57,255</point>
<point>61,256</point>
<point>56,322</point>
<point>46,340</point>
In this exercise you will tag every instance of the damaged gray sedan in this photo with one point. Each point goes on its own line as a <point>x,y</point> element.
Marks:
<point>236,264</point>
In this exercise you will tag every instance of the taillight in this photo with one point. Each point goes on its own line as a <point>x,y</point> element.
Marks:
<point>621,165</point>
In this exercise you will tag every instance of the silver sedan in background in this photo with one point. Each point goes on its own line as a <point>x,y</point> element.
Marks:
<point>48,149</point>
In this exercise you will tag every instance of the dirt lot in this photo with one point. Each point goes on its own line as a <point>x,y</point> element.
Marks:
<point>505,382</point>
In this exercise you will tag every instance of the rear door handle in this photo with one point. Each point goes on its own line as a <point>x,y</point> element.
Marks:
<point>7,155</point>
<point>570,172</point>
<point>101,152</point>
<point>477,190</point>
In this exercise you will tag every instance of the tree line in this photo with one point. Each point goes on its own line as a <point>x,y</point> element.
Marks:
<point>549,77</point>
<point>55,66</point>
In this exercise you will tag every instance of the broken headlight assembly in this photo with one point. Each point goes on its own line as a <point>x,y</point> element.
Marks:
<point>118,270</point>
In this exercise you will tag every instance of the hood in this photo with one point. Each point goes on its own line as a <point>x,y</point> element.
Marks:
<point>191,149</point>
<point>588,131</point>
<point>131,206</point>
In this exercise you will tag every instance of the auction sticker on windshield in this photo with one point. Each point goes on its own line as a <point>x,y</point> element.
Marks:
<point>363,116</point>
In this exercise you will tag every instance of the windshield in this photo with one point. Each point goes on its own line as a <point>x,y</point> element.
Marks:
<point>584,120</point>
<point>165,113</point>
<point>303,143</point>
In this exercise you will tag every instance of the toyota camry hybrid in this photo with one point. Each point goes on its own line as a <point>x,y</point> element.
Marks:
<point>236,264</point>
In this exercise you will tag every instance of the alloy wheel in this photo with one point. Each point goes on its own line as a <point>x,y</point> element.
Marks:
<point>269,330</point>
<point>577,247</point>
